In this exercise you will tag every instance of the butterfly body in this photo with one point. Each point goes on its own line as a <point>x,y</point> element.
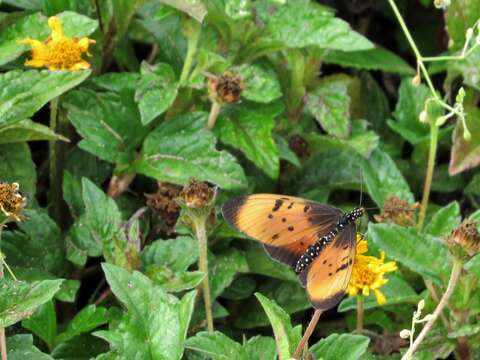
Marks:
<point>317,240</point>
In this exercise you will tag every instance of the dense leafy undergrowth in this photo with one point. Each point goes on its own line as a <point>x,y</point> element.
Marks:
<point>335,101</point>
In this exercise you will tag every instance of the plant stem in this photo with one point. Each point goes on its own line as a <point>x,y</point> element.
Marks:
<point>3,343</point>
<point>452,283</point>
<point>306,335</point>
<point>360,312</point>
<point>192,37</point>
<point>55,188</point>
<point>214,111</point>
<point>432,153</point>
<point>201,235</point>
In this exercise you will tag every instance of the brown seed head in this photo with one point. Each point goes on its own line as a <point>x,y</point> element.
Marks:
<point>164,205</point>
<point>466,236</point>
<point>197,194</point>
<point>397,211</point>
<point>11,202</point>
<point>226,88</point>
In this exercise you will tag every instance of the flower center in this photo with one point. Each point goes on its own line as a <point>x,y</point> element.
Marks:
<point>64,53</point>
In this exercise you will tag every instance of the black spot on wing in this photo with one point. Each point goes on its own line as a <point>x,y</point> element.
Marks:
<point>278,205</point>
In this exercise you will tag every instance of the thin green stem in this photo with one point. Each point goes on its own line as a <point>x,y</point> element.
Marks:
<point>452,283</point>
<point>193,37</point>
<point>54,181</point>
<point>306,335</point>
<point>432,154</point>
<point>201,235</point>
<point>214,112</point>
<point>3,343</point>
<point>360,314</point>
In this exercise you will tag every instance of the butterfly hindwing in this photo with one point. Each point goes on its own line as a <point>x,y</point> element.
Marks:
<point>327,277</point>
<point>286,225</point>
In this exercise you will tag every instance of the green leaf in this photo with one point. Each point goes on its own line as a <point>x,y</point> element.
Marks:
<point>216,345</point>
<point>249,129</point>
<point>444,220</point>
<point>383,179</point>
<point>329,103</point>
<point>16,165</point>
<point>36,244</point>
<point>300,24</point>
<point>43,323</point>
<point>150,311</point>
<point>181,148</point>
<point>165,253</point>
<point>223,268</point>
<point>174,281</point>
<point>421,253</point>
<point>261,83</point>
<point>19,299</point>
<point>241,288</point>
<point>396,291</point>
<point>473,186</point>
<point>343,346</point>
<point>285,338</point>
<point>460,16</point>
<point>123,12</point>
<point>473,265</point>
<point>68,291</point>
<point>156,91</point>
<point>27,130</point>
<point>25,92</point>
<point>284,151</point>
<point>465,330</point>
<point>466,154</point>
<point>372,59</point>
<point>260,348</point>
<point>20,347</point>
<point>25,4</point>
<point>411,102</point>
<point>194,8</point>
<point>83,347</point>
<point>102,216</point>
<point>108,122</point>
<point>88,319</point>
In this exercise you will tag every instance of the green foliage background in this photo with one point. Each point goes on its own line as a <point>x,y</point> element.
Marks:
<point>329,109</point>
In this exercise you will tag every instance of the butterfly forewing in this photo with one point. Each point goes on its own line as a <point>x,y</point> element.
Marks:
<point>286,225</point>
<point>327,277</point>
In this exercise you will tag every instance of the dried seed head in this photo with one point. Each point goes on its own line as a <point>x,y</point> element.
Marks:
<point>164,205</point>
<point>11,202</point>
<point>226,88</point>
<point>397,211</point>
<point>405,333</point>
<point>197,194</point>
<point>465,236</point>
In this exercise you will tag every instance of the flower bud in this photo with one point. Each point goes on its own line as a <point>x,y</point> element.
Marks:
<point>421,305</point>
<point>405,333</point>
<point>466,134</point>
<point>11,202</point>
<point>397,211</point>
<point>423,116</point>
<point>416,80</point>
<point>164,206</point>
<point>465,238</point>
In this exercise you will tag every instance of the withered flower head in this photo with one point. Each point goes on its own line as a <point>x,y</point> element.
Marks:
<point>197,194</point>
<point>465,237</point>
<point>11,202</point>
<point>164,205</point>
<point>298,145</point>
<point>397,211</point>
<point>226,88</point>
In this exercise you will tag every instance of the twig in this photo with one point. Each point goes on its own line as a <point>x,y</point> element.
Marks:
<point>308,332</point>
<point>454,276</point>
<point>214,111</point>
<point>106,293</point>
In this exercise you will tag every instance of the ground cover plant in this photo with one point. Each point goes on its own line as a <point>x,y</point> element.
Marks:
<point>126,125</point>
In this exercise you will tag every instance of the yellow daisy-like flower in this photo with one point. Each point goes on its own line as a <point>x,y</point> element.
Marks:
<point>58,52</point>
<point>368,272</point>
<point>11,202</point>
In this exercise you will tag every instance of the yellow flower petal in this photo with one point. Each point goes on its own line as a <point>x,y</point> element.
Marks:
<point>84,43</point>
<point>36,63</point>
<point>81,65</point>
<point>57,28</point>
<point>381,300</point>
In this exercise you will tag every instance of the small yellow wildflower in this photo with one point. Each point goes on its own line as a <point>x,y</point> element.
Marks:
<point>58,52</point>
<point>368,272</point>
<point>11,202</point>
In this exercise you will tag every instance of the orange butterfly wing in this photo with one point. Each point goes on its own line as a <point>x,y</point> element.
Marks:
<point>327,277</point>
<point>286,225</point>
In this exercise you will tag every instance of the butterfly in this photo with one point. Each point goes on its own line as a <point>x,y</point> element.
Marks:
<point>317,240</point>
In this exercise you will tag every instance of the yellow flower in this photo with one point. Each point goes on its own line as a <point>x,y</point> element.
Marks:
<point>58,52</point>
<point>368,272</point>
<point>11,202</point>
